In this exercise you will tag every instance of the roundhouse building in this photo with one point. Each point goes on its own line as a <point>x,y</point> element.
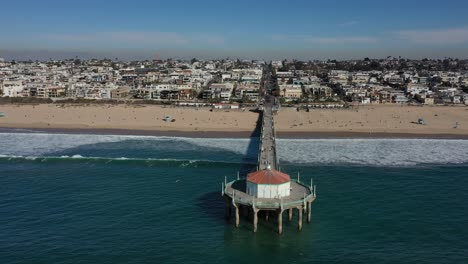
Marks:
<point>268,184</point>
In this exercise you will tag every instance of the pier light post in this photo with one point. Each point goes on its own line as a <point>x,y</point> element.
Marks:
<point>298,177</point>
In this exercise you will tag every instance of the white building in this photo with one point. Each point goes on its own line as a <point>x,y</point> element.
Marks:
<point>226,76</point>
<point>401,99</point>
<point>222,91</point>
<point>290,91</point>
<point>341,77</point>
<point>361,77</point>
<point>270,184</point>
<point>251,91</point>
<point>365,100</point>
<point>417,89</point>
<point>465,99</point>
<point>12,88</point>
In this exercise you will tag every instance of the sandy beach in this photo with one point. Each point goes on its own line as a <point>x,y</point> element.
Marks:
<point>377,119</point>
<point>364,121</point>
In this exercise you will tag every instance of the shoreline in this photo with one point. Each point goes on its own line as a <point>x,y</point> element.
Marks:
<point>232,134</point>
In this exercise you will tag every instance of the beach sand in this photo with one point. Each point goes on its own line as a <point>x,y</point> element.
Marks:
<point>364,121</point>
<point>377,119</point>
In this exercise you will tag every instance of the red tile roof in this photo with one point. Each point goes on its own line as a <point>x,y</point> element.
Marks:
<point>268,177</point>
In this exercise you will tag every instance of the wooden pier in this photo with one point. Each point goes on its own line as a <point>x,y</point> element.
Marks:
<point>237,197</point>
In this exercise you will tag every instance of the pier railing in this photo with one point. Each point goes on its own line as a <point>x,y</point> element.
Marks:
<point>240,198</point>
<point>260,145</point>
<point>274,138</point>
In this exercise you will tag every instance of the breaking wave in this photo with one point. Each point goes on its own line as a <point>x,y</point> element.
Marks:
<point>146,162</point>
<point>372,152</point>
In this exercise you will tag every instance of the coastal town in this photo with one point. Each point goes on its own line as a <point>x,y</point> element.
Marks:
<point>391,97</point>
<point>229,83</point>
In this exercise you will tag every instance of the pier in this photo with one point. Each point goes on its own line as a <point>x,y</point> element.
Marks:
<point>268,190</point>
<point>267,152</point>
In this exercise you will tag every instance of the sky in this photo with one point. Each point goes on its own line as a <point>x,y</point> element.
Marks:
<point>253,29</point>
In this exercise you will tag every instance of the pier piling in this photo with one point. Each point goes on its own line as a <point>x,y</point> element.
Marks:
<point>255,219</point>
<point>237,215</point>
<point>299,224</point>
<point>280,222</point>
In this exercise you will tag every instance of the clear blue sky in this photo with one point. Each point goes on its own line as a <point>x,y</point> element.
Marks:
<point>246,29</point>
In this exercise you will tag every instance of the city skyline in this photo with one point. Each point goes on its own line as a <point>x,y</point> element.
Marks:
<point>257,30</point>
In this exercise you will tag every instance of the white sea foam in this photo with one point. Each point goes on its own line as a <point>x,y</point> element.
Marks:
<point>36,144</point>
<point>376,152</point>
<point>11,156</point>
<point>237,145</point>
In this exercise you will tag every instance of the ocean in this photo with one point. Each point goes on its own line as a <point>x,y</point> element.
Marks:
<point>141,199</point>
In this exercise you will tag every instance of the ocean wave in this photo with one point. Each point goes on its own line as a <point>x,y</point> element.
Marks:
<point>107,160</point>
<point>374,152</point>
<point>42,143</point>
<point>36,144</point>
<point>371,152</point>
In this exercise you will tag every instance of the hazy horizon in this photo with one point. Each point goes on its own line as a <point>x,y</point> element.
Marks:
<point>45,55</point>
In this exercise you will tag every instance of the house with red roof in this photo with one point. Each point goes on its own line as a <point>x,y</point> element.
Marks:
<point>270,184</point>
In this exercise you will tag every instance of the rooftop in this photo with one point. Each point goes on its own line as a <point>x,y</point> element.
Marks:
<point>268,177</point>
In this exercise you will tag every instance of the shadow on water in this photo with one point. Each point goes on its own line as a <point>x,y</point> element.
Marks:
<point>212,204</point>
<point>252,149</point>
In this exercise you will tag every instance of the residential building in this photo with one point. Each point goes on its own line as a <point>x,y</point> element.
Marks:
<point>120,93</point>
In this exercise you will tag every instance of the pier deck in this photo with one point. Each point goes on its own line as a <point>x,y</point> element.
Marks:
<point>267,153</point>
<point>301,194</point>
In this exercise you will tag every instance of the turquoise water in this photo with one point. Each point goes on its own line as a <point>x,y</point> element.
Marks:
<point>112,199</point>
